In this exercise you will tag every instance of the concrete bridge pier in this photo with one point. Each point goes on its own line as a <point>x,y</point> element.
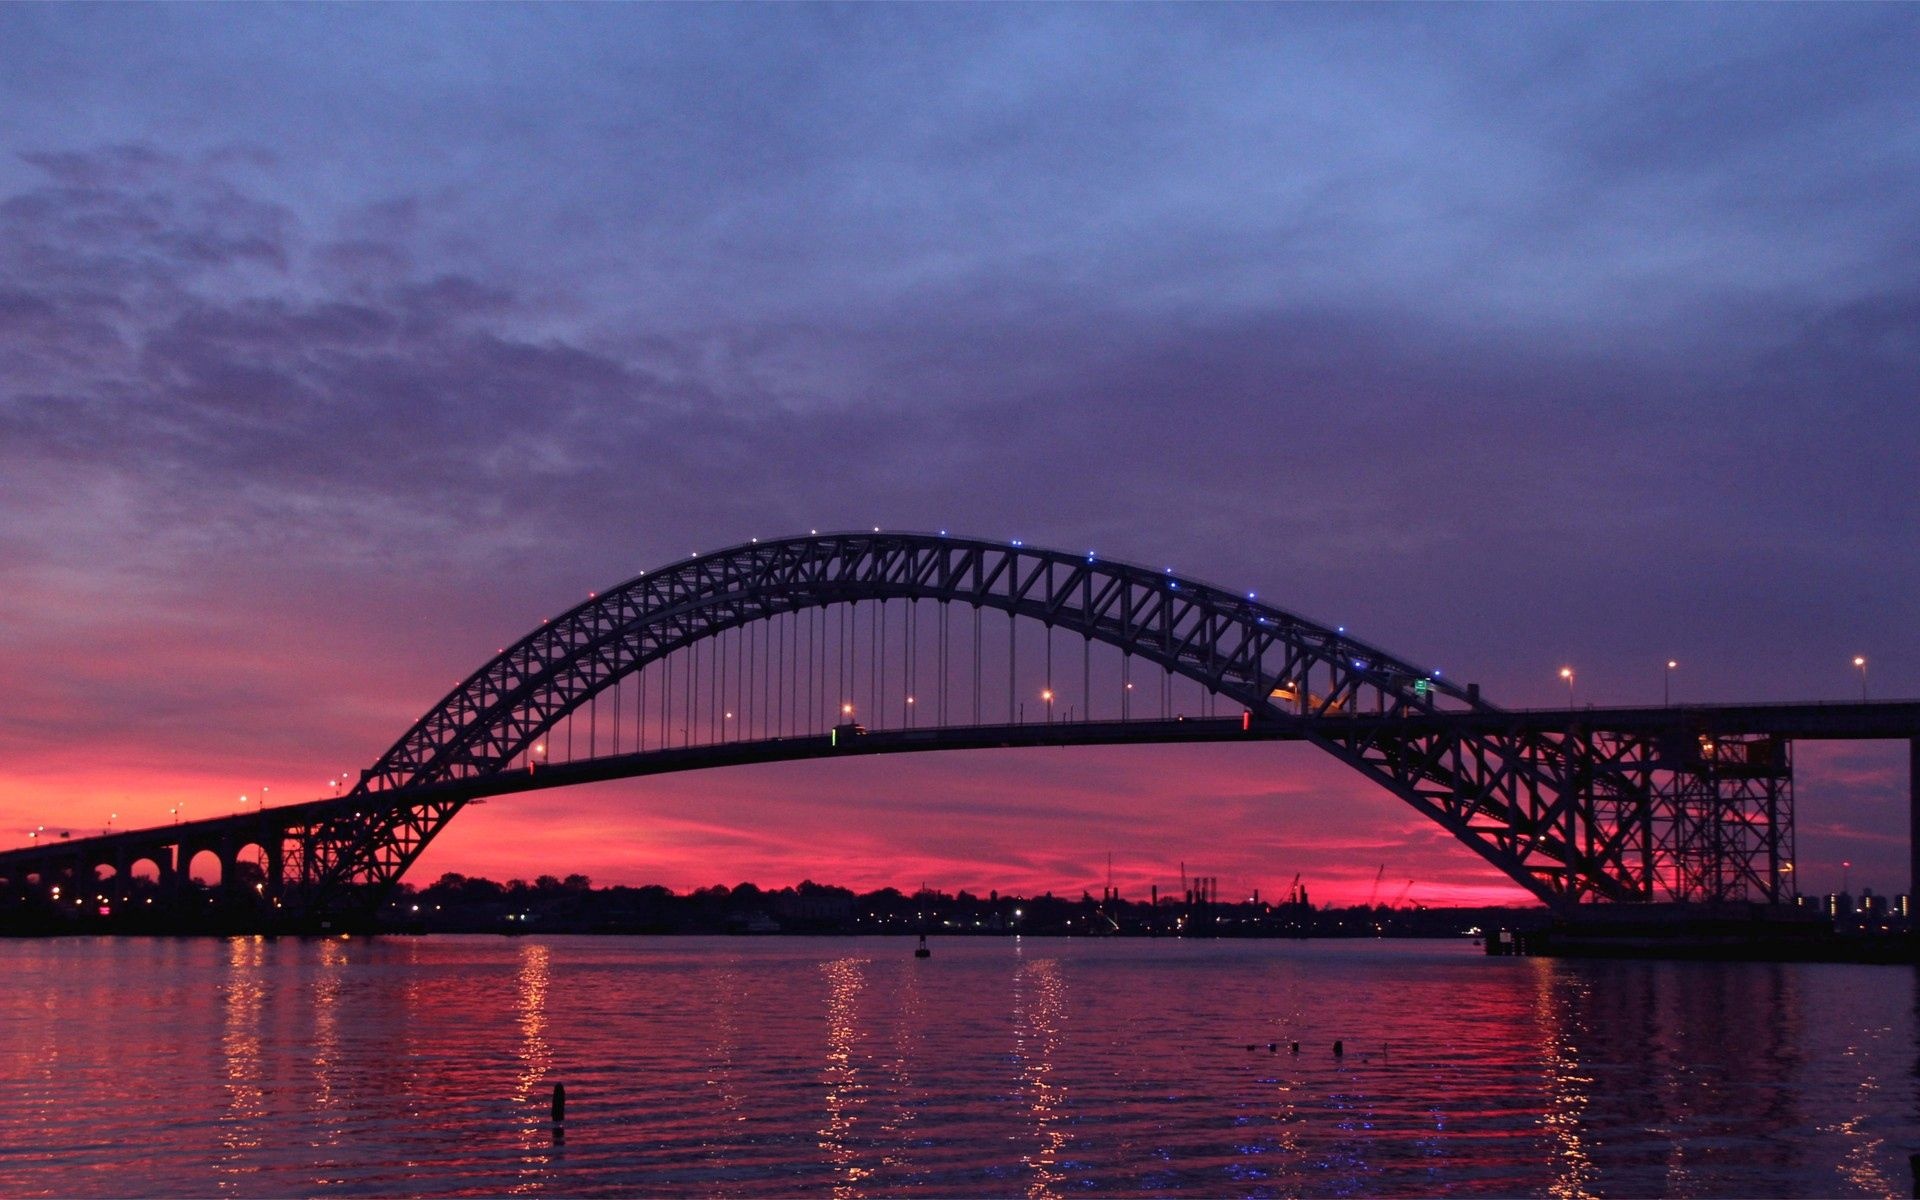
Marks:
<point>228,852</point>
<point>174,865</point>
<point>122,860</point>
<point>172,870</point>
<point>276,869</point>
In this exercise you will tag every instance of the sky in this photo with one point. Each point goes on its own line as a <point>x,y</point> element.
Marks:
<point>341,344</point>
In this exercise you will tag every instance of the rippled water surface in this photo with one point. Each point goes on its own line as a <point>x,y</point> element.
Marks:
<point>425,1066</point>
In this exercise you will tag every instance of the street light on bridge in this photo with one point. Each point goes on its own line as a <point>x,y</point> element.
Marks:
<point>1046,694</point>
<point>1666,683</point>
<point>1860,663</point>
<point>1566,673</point>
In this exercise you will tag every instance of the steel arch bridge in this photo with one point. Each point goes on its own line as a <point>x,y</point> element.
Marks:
<point>1572,807</point>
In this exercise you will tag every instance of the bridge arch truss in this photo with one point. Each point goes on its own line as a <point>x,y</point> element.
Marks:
<point>1570,813</point>
<point>1568,822</point>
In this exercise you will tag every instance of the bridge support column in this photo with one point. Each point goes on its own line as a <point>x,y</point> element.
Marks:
<point>173,870</point>
<point>229,855</point>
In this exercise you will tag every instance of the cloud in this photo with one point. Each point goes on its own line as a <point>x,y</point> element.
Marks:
<point>335,354</point>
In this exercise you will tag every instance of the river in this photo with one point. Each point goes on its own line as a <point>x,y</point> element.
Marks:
<point>1001,1067</point>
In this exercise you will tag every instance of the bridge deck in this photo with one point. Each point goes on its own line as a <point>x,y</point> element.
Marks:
<point>269,821</point>
<point>1853,720</point>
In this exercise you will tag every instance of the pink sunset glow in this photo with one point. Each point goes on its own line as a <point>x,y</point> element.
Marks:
<point>305,412</point>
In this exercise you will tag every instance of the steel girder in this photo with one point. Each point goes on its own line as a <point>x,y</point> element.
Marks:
<point>1556,813</point>
<point>1724,820</point>
<point>1235,646</point>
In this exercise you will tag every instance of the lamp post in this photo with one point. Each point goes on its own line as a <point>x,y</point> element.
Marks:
<point>1666,683</point>
<point>1566,673</point>
<point>1046,694</point>
<point>1860,664</point>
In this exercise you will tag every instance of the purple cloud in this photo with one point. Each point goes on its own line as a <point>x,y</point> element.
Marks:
<point>1507,337</point>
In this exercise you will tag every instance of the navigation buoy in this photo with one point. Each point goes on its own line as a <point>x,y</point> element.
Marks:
<point>922,951</point>
<point>1339,1049</point>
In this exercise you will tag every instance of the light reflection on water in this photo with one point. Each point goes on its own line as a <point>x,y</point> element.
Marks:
<point>242,1123</point>
<point>325,1106</point>
<point>530,1003</point>
<point>1559,1027</point>
<point>745,1067</point>
<point>841,1076</point>
<point>1037,1016</point>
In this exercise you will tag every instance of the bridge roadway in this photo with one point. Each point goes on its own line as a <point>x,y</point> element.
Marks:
<point>253,825</point>
<point>1877,720</point>
<point>1851,720</point>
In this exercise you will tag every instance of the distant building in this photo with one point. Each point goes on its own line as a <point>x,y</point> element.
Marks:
<point>813,909</point>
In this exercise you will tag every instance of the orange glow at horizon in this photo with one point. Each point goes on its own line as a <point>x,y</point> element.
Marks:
<point>972,820</point>
<point>1016,821</point>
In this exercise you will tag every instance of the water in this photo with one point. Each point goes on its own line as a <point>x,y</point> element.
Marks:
<point>843,1066</point>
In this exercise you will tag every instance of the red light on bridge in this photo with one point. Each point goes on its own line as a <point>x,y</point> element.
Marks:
<point>1246,720</point>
